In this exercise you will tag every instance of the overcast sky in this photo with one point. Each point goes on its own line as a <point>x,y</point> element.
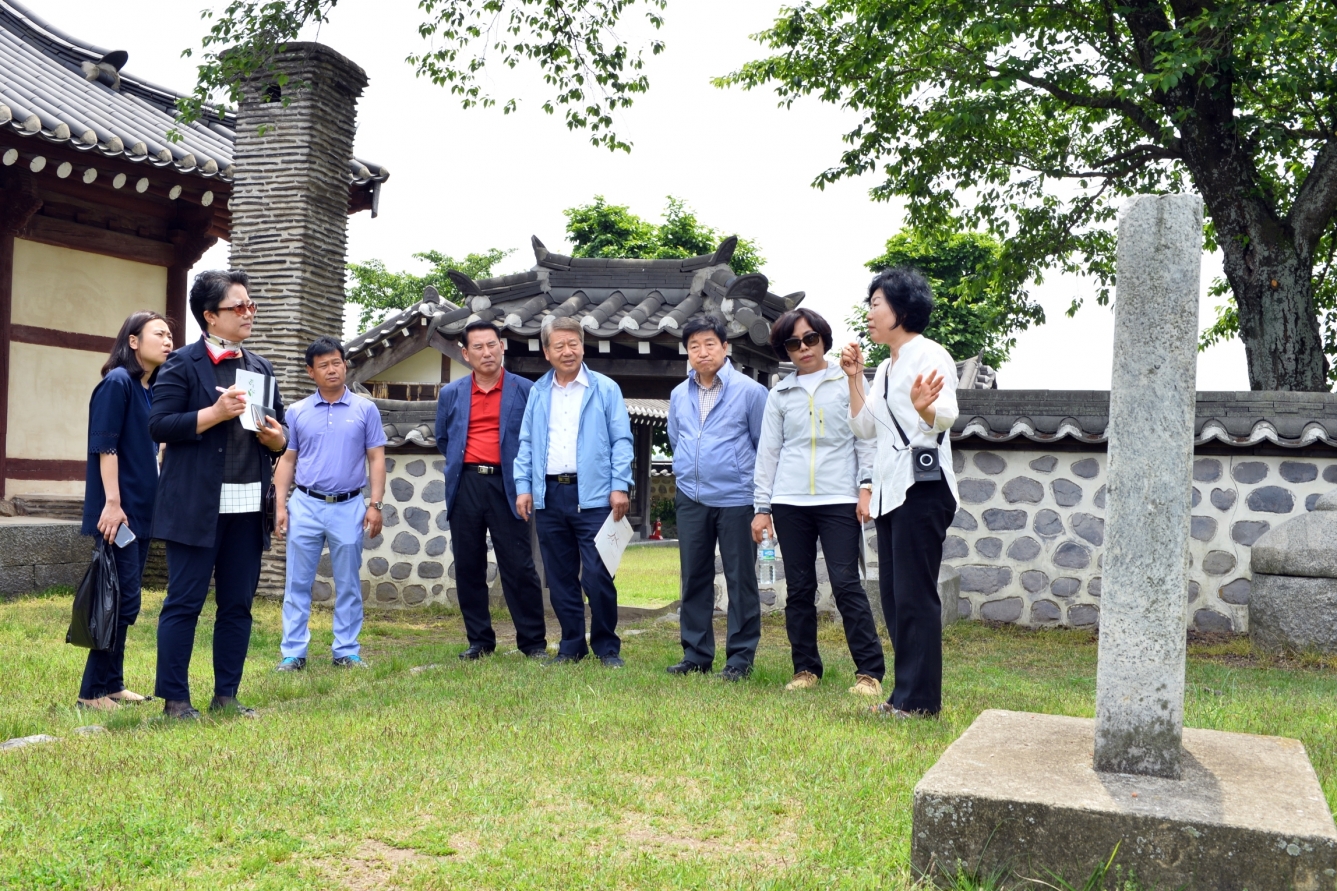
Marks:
<point>465,181</point>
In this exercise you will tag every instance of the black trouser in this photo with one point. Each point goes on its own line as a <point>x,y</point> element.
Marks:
<point>481,506</point>
<point>699,528</point>
<point>909,555</point>
<point>799,528</point>
<point>104,672</point>
<point>234,561</point>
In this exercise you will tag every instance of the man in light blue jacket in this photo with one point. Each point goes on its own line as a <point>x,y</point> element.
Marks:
<point>714,425</point>
<point>574,466</point>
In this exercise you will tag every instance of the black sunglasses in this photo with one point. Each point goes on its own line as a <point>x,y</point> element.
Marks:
<point>812,338</point>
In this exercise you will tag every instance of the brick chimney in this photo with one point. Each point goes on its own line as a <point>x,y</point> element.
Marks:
<point>290,203</point>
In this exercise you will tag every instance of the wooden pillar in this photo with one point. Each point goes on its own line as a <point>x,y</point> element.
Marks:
<point>191,241</point>
<point>641,476</point>
<point>19,200</point>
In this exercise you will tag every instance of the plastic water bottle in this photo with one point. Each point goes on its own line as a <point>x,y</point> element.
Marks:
<point>766,562</point>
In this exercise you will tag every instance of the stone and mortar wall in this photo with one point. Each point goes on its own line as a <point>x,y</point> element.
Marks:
<point>38,553</point>
<point>1028,537</point>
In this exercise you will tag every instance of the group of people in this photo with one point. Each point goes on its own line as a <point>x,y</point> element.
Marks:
<point>808,463</point>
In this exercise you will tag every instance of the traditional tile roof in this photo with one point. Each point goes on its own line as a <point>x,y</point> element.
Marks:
<point>61,90</point>
<point>1080,417</point>
<point>611,297</point>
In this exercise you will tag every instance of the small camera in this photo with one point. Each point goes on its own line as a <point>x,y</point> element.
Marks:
<point>926,464</point>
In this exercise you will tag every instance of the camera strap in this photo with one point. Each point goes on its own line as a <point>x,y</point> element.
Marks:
<point>886,399</point>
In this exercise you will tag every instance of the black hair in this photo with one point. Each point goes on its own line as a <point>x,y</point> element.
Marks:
<point>323,346</point>
<point>210,288</point>
<point>783,329</point>
<point>698,324</point>
<point>909,295</point>
<point>477,325</point>
<point>122,356</point>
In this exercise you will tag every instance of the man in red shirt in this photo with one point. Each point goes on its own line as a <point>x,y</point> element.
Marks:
<point>478,431</point>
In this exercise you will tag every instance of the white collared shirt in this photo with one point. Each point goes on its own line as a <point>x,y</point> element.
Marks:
<point>893,470</point>
<point>564,422</point>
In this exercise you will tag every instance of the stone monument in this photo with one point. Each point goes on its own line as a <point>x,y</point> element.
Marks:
<point>1039,795</point>
<point>1293,601</point>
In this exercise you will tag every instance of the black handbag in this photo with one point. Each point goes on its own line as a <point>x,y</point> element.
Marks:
<point>97,603</point>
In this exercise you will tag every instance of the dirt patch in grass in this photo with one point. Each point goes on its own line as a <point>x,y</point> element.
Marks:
<point>1234,649</point>
<point>377,863</point>
<point>643,834</point>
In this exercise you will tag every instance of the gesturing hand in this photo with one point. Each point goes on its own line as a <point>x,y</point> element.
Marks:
<point>851,359</point>
<point>924,392</point>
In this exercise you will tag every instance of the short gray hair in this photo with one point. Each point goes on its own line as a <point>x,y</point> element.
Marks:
<point>560,323</point>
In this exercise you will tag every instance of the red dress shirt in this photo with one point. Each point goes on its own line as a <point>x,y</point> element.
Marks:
<point>483,444</point>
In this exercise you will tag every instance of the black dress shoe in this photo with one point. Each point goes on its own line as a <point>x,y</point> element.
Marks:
<point>537,654</point>
<point>563,659</point>
<point>230,705</point>
<point>612,661</point>
<point>475,652</point>
<point>179,708</point>
<point>733,673</point>
<point>686,667</point>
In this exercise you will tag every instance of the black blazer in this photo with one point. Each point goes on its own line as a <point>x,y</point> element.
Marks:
<point>186,510</point>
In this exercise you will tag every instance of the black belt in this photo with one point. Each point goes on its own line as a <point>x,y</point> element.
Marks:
<point>330,499</point>
<point>566,479</point>
<point>484,469</point>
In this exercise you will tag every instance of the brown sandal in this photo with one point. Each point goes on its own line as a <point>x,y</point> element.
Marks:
<point>129,696</point>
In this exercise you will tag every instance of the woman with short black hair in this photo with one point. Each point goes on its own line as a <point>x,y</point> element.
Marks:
<point>909,411</point>
<point>120,484</point>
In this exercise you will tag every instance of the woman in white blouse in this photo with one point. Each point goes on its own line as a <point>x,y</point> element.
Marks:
<point>909,410</point>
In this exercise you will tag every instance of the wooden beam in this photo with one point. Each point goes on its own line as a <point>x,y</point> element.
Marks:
<point>45,469</point>
<point>66,340</point>
<point>448,348</point>
<point>388,355</point>
<point>675,369</point>
<point>63,233</point>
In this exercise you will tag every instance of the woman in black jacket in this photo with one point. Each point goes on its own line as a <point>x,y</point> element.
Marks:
<point>120,485</point>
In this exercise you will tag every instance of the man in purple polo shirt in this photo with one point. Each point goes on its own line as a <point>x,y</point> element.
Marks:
<point>334,436</point>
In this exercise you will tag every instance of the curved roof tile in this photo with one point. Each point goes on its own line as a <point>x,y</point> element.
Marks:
<point>65,91</point>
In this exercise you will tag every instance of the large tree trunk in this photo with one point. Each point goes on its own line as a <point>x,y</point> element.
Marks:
<point>1274,293</point>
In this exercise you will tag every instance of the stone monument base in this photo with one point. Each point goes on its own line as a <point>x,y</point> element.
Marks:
<point>1018,792</point>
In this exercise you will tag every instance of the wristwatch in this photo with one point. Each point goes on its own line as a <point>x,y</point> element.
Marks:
<point>379,505</point>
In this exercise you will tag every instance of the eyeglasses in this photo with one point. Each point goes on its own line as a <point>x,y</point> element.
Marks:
<point>812,338</point>
<point>245,308</point>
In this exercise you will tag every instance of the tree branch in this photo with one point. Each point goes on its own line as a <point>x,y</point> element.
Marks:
<point>1317,199</point>
<point>1109,101</point>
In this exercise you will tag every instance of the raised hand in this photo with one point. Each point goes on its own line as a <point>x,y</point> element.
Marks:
<point>851,360</point>
<point>924,392</point>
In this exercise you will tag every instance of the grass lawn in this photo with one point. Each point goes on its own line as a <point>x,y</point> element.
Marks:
<point>648,576</point>
<point>508,774</point>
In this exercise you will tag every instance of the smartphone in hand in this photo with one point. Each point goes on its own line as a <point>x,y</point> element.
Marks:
<point>124,536</point>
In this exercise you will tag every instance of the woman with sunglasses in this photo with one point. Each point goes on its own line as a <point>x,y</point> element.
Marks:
<point>908,410</point>
<point>120,485</point>
<point>809,470</point>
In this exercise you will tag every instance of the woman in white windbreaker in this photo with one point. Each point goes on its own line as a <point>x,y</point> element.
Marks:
<point>809,470</point>
<point>908,410</point>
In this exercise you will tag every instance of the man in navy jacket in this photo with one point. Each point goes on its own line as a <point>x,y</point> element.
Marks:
<point>214,475</point>
<point>478,431</point>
